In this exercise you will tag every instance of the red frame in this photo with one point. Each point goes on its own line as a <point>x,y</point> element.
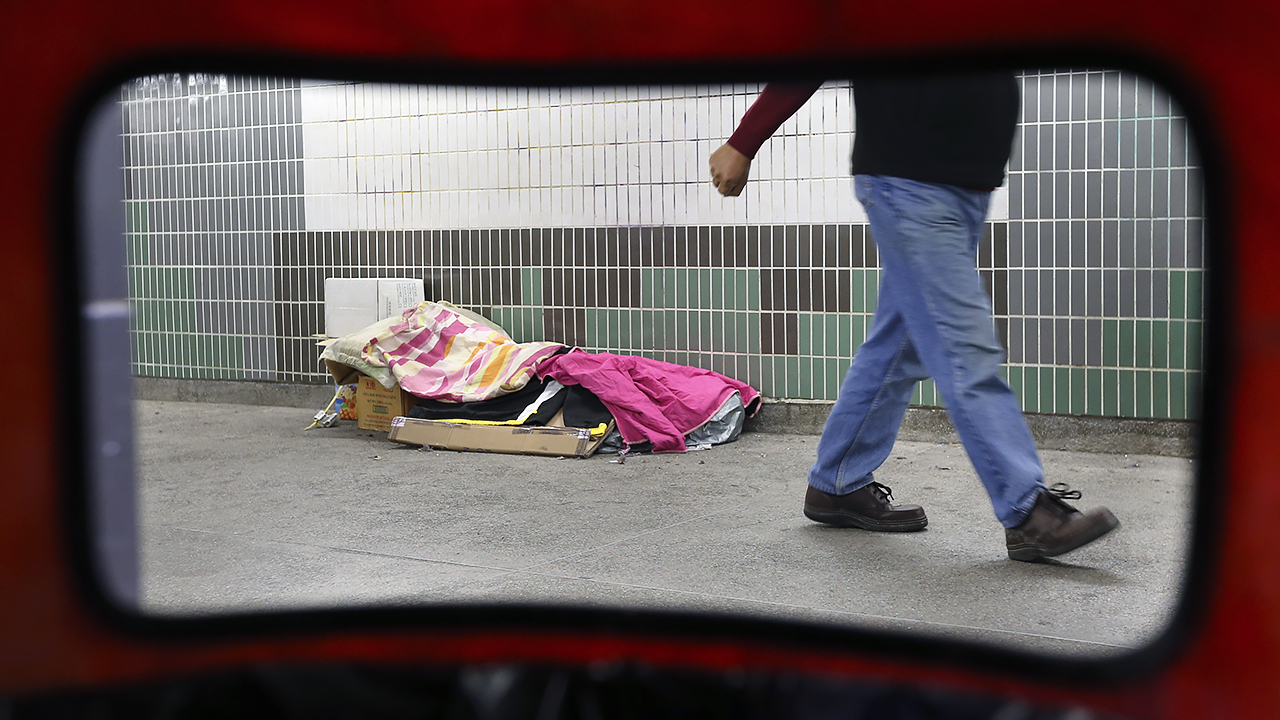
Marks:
<point>1219,58</point>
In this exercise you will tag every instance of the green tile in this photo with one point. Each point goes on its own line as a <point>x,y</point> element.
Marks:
<point>872,290</point>
<point>1061,389</point>
<point>1093,391</point>
<point>1128,393</point>
<point>1126,343</point>
<point>804,333</point>
<point>1195,294</point>
<point>1031,390</point>
<point>1110,343</point>
<point>625,335</point>
<point>753,332</point>
<point>1178,408</point>
<point>677,330</point>
<point>649,287</point>
<point>755,373</point>
<point>831,334</point>
<point>835,369</point>
<point>929,394</point>
<point>1048,390</point>
<point>1178,293</point>
<point>1194,345</point>
<point>668,292</point>
<point>1193,395</point>
<point>1160,343</point>
<point>710,289</point>
<point>1142,342</point>
<point>741,290</point>
<point>1177,344</point>
<point>857,291</point>
<point>1111,392</point>
<point>1013,376</point>
<point>594,337</point>
<point>860,325</point>
<point>844,336</point>
<point>791,371</point>
<point>1160,395</point>
<point>642,322</point>
<point>1142,382</point>
<point>1076,390</point>
<point>917,397</point>
<point>804,370</point>
<point>767,383</point>
<point>713,331</point>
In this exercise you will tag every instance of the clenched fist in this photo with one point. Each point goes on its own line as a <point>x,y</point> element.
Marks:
<point>729,170</point>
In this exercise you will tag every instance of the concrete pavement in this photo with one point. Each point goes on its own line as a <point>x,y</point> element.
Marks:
<point>241,509</point>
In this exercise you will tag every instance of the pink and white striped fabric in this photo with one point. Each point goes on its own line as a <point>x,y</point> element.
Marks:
<point>437,353</point>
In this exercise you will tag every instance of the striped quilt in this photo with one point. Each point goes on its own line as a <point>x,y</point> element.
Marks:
<point>435,352</point>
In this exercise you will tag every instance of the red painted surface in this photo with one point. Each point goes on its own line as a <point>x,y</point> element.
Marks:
<point>1223,53</point>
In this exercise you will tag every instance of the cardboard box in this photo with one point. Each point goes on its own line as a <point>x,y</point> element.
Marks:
<point>352,304</point>
<point>519,439</point>
<point>375,405</point>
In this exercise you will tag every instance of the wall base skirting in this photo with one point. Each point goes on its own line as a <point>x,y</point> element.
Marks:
<point>1080,433</point>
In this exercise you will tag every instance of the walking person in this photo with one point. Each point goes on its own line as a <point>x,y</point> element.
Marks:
<point>928,152</point>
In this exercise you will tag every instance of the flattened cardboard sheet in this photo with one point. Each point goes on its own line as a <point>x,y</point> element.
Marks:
<point>553,439</point>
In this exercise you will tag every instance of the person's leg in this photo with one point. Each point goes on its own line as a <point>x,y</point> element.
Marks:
<point>864,421</point>
<point>927,235</point>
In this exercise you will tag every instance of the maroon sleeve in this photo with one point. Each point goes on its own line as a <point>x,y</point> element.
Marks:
<point>777,102</point>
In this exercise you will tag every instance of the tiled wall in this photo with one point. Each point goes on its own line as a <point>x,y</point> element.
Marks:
<point>213,172</point>
<point>584,216</point>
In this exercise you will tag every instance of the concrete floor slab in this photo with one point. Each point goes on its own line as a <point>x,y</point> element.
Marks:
<point>241,509</point>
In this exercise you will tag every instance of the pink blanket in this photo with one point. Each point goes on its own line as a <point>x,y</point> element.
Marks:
<point>650,400</point>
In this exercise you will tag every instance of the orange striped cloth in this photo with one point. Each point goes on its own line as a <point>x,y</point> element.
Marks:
<point>437,353</point>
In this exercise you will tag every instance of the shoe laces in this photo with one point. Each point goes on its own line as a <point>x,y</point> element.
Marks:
<point>883,490</point>
<point>1063,491</point>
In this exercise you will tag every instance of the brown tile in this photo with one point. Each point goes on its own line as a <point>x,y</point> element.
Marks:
<point>775,240</point>
<point>637,253</point>
<point>804,245</point>
<point>663,246</point>
<point>481,249</point>
<point>506,249</point>
<point>831,291</point>
<point>1000,244</point>
<point>1000,292</point>
<point>779,334</point>
<point>584,288</point>
<point>716,247</point>
<point>708,237</point>
<point>752,245</point>
<point>568,326</point>
<point>556,243</point>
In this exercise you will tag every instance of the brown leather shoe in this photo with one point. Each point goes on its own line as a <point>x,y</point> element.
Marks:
<point>868,508</point>
<point>1053,527</point>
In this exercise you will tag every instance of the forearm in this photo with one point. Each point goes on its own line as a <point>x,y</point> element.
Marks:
<point>776,103</point>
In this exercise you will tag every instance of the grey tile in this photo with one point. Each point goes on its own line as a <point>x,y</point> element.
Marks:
<point>1062,89</point>
<point>1063,147</point>
<point>1093,342</point>
<point>1048,150</point>
<point>1128,298</point>
<point>1046,339</point>
<point>1127,152</point>
<point>1143,293</point>
<point>1111,293</point>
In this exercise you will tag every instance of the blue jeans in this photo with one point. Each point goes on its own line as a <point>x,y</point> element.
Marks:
<point>933,319</point>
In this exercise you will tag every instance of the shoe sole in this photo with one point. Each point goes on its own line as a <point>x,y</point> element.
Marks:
<point>1032,553</point>
<point>846,519</point>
